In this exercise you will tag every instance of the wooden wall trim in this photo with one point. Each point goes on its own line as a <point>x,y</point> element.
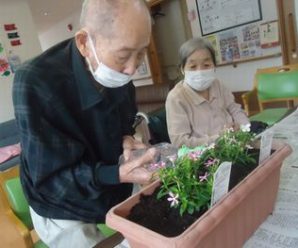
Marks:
<point>282,26</point>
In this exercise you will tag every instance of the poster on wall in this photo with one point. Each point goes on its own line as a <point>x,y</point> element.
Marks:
<point>12,34</point>
<point>249,38</point>
<point>229,46</point>
<point>240,43</point>
<point>14,61</point>
<point>219,15</point>
<point>212,39</point>
<point>269,34</point>
<point>4,65</point>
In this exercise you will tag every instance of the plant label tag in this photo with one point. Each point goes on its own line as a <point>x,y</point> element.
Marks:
<point>266,145</point>
<point>221,180</point>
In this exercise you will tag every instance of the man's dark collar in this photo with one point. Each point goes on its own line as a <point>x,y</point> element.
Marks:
<point>89,93</point>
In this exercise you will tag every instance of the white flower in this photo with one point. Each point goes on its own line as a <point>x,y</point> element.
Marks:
<point>211,146</point>
<point>245,127</point>
<point>173,199</point>
<point>248,147</point>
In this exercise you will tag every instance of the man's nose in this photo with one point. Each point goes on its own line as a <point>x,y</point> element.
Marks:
<point>200,67</point>
<point>131,67</point>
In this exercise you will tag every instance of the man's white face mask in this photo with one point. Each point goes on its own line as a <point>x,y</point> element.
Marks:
<point>200,80</point>
<point>105,75</point>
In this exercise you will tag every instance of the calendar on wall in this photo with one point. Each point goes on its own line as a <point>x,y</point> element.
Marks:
<point>219,15</point>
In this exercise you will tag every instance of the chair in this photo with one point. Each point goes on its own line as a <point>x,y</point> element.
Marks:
<point>153,127</point>
<point>274,92</point>
<point>9,136</point>
<point>16,208</point>
<point>152,97</point>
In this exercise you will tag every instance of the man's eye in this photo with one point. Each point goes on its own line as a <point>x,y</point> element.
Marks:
<point>141,55</point>
<point>123,58</point>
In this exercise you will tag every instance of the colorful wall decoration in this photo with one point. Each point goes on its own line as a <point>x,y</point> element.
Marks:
<point>12,34</point>
<point>4,65</point>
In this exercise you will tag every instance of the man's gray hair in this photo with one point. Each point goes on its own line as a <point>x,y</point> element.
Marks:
<point>192,45</point>
<point>99,15</point>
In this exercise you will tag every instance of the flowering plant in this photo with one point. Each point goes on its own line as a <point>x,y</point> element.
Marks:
<point>187,184</point>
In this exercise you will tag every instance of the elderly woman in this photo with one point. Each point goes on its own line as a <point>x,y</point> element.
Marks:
<point>200,106</point>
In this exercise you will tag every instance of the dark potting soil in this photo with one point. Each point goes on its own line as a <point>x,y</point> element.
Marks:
<point>158,216</point>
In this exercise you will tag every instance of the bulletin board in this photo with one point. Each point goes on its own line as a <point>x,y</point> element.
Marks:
<point>219,15</point>
<point>248,42</point>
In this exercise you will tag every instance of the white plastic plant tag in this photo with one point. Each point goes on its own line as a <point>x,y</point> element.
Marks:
<point>266,145</point>
<point>221,182</point>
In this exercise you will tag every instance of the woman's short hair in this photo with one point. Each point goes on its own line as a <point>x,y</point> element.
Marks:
<point>192,45</point>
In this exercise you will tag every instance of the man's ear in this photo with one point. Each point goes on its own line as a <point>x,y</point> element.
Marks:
<point>182,70</point>
<point>81,38</point>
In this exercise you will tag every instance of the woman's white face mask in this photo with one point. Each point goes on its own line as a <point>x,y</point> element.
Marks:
<point>105,75</point>
<point>200,80</point>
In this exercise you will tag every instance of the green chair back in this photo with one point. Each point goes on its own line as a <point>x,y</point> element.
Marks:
<point>105,230</point>
<point>18,201</point>
<point>279,85</point>
<point>270,116</point>
<point>20,207</point>
<point>40,244</point>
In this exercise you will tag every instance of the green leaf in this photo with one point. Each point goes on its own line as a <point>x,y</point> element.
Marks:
<point>6,73</point>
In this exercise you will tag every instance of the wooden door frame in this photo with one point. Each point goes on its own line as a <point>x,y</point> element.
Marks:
<point>282,25</point>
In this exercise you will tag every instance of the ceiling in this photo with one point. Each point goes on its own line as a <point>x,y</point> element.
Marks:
<point>48,12</point>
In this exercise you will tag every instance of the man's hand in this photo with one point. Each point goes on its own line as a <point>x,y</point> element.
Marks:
<point>129,144</point>
<point>134,170</point>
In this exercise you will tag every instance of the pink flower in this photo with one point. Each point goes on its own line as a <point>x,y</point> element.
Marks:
<point>195,155</point>
<point>156,166</point>
<point>162,164</point>
<point>173,199</point>
<point>204,178</point>
<point>211,162</point>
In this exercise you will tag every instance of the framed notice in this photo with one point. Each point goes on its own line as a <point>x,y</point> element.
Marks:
<point>143,74</point>
<point>143,70</point>
<point>269,34</point>
<point>219,15</point>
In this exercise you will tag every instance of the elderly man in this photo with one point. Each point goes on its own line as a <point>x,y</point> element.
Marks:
<point>75,107</point>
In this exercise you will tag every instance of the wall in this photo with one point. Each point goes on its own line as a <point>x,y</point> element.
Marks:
<point>296,12</point>
<point>241,77</point>
<point>169,33</point>
<point>59,32</point>
<point>17,12</point>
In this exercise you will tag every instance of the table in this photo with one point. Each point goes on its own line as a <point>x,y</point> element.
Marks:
<point>280,230</point>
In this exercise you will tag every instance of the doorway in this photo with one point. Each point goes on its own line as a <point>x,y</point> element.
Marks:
<point>288,22</point>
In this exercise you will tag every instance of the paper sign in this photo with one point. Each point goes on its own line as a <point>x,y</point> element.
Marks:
<point>10,27</point>
<point>13,35</point>
<point>15,43</point>
<point>221,182</point>
<point>266,145</point>
<point>269,34</point>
